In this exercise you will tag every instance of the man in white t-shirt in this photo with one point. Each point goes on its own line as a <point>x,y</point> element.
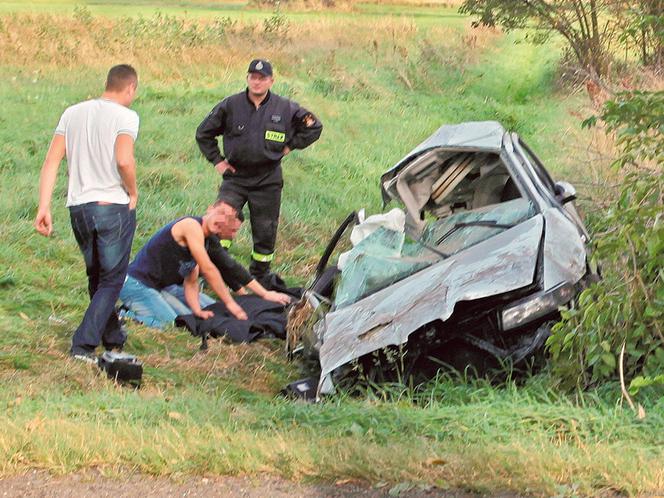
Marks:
<point>97,136</point>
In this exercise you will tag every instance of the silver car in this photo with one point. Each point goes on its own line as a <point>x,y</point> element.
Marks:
<point>487,250</point>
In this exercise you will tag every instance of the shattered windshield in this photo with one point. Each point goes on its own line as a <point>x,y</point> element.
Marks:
<point>387,256</point>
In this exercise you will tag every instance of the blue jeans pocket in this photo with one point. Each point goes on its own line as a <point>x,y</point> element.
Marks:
<point>109,227</point>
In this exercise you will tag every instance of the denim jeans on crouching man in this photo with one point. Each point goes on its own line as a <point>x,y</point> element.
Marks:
<point>104,233</point>
<point>156,308</point>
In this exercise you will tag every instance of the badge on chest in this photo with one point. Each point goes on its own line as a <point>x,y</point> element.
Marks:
<point>275,136</point>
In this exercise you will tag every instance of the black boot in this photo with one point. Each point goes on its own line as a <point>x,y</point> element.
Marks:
<point>259,269</point>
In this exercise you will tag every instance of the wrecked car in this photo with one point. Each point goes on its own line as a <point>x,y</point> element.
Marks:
<point>470,273</point>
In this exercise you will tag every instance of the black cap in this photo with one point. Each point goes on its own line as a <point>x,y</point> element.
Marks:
<point>260,66</point>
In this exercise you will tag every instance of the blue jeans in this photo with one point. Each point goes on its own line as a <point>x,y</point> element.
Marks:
<point>156,308</point>
<point>104,234</point>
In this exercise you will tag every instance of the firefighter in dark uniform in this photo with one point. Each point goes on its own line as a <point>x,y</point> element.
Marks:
<point>259,128</point>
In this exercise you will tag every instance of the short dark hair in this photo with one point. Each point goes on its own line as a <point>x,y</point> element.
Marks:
<point>238,212</point>
<point>120,76</point>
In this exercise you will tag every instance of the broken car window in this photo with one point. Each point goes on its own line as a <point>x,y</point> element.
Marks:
<point>386,256</point>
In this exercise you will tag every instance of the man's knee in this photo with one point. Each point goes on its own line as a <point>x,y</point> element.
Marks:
<point>232,195</point>
<point>148,320</point>
<point>264,226</point>
<point>146,305</point>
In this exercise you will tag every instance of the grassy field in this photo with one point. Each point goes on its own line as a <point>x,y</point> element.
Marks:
<point>381,78</point>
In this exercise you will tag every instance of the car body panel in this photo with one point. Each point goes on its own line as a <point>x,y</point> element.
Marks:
<point>503,263</point>
<point>564,250</point>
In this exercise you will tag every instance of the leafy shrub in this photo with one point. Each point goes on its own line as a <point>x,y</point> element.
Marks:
<point>276,26</point>
<point>627,307</point>
<point>174,32</point>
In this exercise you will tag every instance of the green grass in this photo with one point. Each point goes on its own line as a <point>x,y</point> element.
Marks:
<point>380,87</point>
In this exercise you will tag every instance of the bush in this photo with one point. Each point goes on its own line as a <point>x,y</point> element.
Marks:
<point>627,307</point>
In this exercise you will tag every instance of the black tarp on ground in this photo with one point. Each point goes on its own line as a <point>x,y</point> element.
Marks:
<point>266,319</point>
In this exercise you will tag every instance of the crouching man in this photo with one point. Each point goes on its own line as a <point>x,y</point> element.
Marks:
<point>176,255</point>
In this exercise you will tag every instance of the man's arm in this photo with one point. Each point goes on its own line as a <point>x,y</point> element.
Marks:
<point>306,128</point>
<point>233,273</point>
<point>49,172</point>
<point>237,276</point>
<point>124,156</point>
<point>206,137</point>
<point>277,297</point>
<point>192,233</point>
<point>192,296</point>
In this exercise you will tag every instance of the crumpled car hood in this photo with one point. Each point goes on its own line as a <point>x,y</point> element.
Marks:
<point>503,263</point>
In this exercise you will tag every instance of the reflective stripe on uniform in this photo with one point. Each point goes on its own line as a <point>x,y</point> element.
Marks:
<point>225,243</point>
<point>275,136</point>
<point>263,258</point>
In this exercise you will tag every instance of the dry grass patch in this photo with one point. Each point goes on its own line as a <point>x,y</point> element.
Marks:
<point>171,48</point>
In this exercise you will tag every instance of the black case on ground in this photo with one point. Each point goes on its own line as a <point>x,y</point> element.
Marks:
<point>122,367</point>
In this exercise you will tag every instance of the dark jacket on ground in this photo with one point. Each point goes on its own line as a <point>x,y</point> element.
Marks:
<point>255,138</point>
<point>266,319</point>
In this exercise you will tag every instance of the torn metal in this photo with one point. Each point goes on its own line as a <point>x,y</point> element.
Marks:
<point>491,248</point>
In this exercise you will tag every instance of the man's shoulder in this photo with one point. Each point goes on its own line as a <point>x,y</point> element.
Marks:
<point>285,102</point>
<point>280,98</point>
<point>236,97</point>
<point>108,107</point>
<point>187,224</point>
<point>118,109</point>
<point>79,106</point>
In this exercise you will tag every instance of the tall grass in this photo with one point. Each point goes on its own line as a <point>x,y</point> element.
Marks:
<point>380,86</point>
<point>473,436</point>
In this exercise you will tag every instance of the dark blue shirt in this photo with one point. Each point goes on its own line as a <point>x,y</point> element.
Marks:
<point>162,261</point>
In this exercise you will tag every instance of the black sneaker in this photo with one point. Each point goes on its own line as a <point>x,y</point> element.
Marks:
<point>86,356</point>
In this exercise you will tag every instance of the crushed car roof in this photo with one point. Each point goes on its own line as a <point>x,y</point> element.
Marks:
<point>483,136</point>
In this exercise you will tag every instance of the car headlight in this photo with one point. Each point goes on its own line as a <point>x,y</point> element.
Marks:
<point>536,306</point>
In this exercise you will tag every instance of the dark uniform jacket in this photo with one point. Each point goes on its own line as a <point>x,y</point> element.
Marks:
<point>255,138</point>
<point>234,274</point>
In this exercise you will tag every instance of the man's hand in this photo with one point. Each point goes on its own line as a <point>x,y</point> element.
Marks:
<point>43,222</point>
<point>133,201</point>
<point>286,150</point>
<point>203,314</point>
<point>236,310</point>
<point>277,297</point>
<point>224,166</point>
<point>56,152</point>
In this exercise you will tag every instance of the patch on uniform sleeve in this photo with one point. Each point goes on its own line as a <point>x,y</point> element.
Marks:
<point>309,120</point>
<point>275,136</point>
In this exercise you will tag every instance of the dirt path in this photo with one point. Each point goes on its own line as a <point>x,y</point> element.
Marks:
<point>42,485</point>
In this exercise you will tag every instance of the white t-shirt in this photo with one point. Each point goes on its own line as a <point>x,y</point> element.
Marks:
<point>90,130</point>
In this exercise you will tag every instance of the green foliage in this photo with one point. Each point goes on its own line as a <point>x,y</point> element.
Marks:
<point>638,120</point>
<point>627,307</point>
<point>216,413</point>
<point>642,30</point>
<point>577,21</point>
<point>83,15</point>
<point>276,26</point>
<point>173,32</point>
